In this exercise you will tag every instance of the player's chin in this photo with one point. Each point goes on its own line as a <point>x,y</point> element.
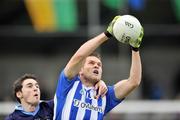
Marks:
<point>96,79</point>
<point>35,103</point>
<point>36,100</point>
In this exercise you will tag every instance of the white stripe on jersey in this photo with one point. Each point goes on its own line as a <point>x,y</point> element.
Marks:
<point>104,103</point>
<point>94,114</point>
<point>55,106</point>
<point>81,111</point>
<point>67,106</point>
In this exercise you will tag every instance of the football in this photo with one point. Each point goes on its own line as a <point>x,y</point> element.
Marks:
<point>127,28</point>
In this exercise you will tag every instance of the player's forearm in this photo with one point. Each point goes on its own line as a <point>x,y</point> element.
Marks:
<point>74,65</point>
<point>136,69</point>
<point>91,45</point>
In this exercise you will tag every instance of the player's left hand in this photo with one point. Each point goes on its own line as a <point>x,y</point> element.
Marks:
<point>136,43</point>
<point>101,89</point>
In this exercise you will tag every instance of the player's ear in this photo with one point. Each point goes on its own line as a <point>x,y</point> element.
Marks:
<point>19,94</point>
<point>80,72</point>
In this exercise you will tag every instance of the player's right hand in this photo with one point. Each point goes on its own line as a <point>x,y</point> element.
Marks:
<point>111,24</point>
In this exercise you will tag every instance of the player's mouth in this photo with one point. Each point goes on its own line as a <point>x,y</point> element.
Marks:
<point>36,95</point>
<point>96,72</point>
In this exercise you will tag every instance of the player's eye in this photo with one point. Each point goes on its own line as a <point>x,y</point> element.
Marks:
<point>29,86</point>
<point>99,64</point>
<point>37,86</point>
<point>91,62</point>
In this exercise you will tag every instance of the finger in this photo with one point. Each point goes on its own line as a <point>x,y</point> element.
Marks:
<point>104,93</point>
<point>99,92</point>
<point>96,86</point>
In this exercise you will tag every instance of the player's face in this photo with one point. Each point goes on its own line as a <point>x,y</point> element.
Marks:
<point>30,92</point>
<point>92,68</point>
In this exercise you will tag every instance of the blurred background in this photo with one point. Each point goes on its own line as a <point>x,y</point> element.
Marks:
<point>40,36</point>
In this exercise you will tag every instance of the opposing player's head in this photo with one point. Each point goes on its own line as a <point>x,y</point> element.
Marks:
<point>26,89</point>
<point>92,68</point>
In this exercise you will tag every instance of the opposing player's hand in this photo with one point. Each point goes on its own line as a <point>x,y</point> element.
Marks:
<point>109,30</point>
<point>136,43</point>
<point>101,89</point>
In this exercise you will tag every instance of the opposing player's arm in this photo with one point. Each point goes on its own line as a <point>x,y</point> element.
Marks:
<point>124,87</point>
<point>74,65</point>
<point>102,89</point>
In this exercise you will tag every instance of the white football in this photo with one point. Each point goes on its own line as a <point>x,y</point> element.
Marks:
<point>127,27</point>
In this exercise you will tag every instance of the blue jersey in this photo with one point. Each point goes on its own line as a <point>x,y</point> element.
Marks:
<point>45,112</point>
<point>74,101</point>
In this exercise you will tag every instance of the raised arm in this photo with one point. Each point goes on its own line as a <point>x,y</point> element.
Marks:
<point>124,87</point>
<point>74,65</point>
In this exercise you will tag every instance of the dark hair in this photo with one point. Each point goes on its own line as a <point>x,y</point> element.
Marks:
<point>17,86</point>
<point>95,54</point>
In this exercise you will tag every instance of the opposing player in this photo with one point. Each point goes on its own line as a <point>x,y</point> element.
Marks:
<point>27,93</point>
<point>74,98</point>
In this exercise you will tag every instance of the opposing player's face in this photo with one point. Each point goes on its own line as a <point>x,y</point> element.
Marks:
<point>30,92</point>
<point>92,68</point>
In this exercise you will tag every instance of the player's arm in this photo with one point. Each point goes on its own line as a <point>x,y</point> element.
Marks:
<point>74,65</point>
<point>124,87</point>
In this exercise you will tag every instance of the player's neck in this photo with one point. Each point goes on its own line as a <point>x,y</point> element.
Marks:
<point>86,82</point>
<point>28,107</point>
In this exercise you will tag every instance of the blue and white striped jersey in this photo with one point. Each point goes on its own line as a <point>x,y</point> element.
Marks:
<point>74,101</point>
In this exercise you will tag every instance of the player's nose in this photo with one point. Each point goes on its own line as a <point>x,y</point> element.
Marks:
<point>35,88</point>
<point>96,66</point>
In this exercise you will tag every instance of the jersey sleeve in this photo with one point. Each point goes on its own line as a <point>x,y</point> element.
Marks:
<point>111,100</point>
<point>8,118</point>
<point>64,85</point>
